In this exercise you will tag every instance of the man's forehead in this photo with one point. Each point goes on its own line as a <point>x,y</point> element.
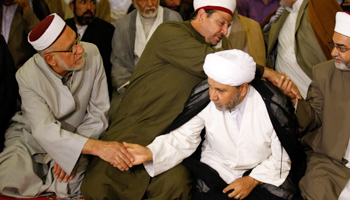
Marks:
<point>142,1</point>
<point>222,14</point>
<point>340,38</point>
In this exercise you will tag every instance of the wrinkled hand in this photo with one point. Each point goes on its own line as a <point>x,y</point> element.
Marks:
<point>241,187</point>
<point>140,153</point>
<point>23,4</point>
<point>116,154</point>
<point>62,175</point>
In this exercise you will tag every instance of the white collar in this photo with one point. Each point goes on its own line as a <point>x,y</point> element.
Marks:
<point>296,6</point>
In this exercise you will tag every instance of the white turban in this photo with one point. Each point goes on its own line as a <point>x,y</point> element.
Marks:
<point>46,32</point>
<point>342,20</point>
<point>228,6</point>
<point>230,67</point>
<point>70,1</point>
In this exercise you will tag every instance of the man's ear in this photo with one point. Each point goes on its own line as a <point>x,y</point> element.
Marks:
<point>201,15</point>
<point>50,59</point>
<point>243,89</point>
<point>71,6</point>
<point>133,3</point>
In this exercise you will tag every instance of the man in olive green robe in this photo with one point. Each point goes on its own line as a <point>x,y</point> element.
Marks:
<point>170,66</point>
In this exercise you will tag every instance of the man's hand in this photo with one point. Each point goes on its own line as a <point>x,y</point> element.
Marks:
<point>62,175</point>
<point>112,152</point>
<point>285,84</point>
<point>23,4</point>
<point>279,80</point>
<point>241,187</point>
<point>141,154</point>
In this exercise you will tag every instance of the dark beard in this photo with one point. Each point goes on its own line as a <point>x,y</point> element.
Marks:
<point>84,20</point>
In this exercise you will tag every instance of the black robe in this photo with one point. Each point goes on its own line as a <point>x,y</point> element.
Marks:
<point>8,89</point>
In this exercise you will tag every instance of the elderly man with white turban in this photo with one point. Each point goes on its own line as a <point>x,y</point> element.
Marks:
<point>324,119</point>
<point>64,111</point>
<point>240,137</point>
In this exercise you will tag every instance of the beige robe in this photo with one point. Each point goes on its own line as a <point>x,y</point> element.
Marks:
<point>53,126</point>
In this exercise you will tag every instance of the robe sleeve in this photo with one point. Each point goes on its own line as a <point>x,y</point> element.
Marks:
<point>309,111</point>
<point>170,149</point>
<point>275,169</point>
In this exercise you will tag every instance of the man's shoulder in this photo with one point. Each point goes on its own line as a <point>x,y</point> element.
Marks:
<point>32,68</point>
<point>170,15</point>
<point>70,21</point>
<point>127,24</point>
<point>175,25</point>
<point>89,48</point>
<point>102,23</point>
<point>325,69</point>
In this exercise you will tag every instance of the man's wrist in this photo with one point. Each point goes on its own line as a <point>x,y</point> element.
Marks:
<point>149,154</point>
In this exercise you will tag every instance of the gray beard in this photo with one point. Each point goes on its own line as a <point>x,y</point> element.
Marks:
<point>344,66</point>
<point>231,104</point>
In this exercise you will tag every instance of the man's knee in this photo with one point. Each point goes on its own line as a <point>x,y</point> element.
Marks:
<point>173,184</point>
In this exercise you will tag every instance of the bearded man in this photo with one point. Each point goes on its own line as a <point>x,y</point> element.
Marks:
<point>241,143</point>
<point>94,30</point>
<point>64,111</point>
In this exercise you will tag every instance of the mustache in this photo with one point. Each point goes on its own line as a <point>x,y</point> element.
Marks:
<point>339,58</point>
<point>88,12</point>
<point>150,8</point>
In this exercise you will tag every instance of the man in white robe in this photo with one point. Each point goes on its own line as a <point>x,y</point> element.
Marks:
<point>239,134</point>
<point>64,111</point>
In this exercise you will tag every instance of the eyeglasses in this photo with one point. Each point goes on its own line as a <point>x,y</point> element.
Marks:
<point>339,47</point>
<point>72,50</point>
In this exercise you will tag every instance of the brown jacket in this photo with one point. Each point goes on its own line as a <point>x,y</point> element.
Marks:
<point>324,117</point>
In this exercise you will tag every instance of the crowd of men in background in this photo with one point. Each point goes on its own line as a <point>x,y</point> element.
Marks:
<point>87,92</point>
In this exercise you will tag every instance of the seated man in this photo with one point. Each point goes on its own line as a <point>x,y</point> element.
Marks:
<point>239,134</point>
<point>324,119</point>
<point>64,106</point>
<point>131,36</point>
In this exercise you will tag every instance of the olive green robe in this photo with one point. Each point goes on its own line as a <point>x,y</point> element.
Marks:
<point>170,66</point>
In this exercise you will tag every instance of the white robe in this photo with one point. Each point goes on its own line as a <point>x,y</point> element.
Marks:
<point>53,126</point>
<point>227,149</point>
